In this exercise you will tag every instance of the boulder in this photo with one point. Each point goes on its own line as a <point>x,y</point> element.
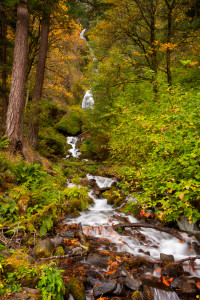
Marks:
<point>132,283</point>
<point>105,288</point>
<point>44,248</point>
<point>173,270</point>
<point>77,289</point>
<point>166,258</point>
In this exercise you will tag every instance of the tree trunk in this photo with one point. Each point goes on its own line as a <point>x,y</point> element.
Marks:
<point>3,89</point>
<point>170,6</point>
<point>14,121</point>
<point>168,52</point>
<point>154,62</point>
<point>37,92</point>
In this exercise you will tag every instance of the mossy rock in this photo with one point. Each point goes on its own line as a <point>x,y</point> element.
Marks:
<point>77,289</point>
<point>136,295</point>
<point>16,260</point>
<point>132,208</point>
<point>71,123</point>
<point>44,248</point>
<point>75,204</point>
<point>114,196</point>
<point>23,203</point>
<point>52,142</point>
<point>59,251</point>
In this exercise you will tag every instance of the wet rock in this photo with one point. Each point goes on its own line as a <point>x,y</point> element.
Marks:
<point>132,283</point>
<point>57,240</point>
<point>27,293</point>
<point>119,291</point>
<point>45,248</point>
<point>176,284</point>
<point>21,296</point>
<point>120,273</point>
<point>196,247</point>
<point>188,288</point>
<point>187,225</point>
<point>166,258</point>
<point>93,278</point>
<point>95,259</point>
<point>77,289</point>
<point>67,234</point>
<point>31,291</point>
<point>105,288</point>
<point>173,270</point>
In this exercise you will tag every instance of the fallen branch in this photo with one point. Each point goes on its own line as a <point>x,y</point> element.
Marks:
<point>55,257</point>
<point>156,227</point>
<point>188,258</point>
<point>81,234</point>
<point>63,256</point>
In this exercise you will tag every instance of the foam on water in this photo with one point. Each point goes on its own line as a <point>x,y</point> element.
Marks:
<point>73,140</point>
<point>88,100</point>
<point>102,182</point>
<point>164,295</point>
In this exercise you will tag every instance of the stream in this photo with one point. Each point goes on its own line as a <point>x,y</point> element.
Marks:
<point>131,245</point>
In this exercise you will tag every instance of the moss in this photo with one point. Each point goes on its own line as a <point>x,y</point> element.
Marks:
<point>59,251</point>
<point>77,289</point>
<point>114,196</point>
<point>16,260</point>
<point>71,123</point>
<point>136,295</point>
<point>51,143</point>
<point>76,204</point>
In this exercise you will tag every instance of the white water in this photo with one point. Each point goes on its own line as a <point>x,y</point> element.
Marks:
<point>100,218</point>
<point>82,35</point>
<point>102,182</point>
<point>88,100</point>
<point>73,140</point>
<point>163,295</point>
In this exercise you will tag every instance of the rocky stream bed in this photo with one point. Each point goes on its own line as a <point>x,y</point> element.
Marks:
<point>109,255</point>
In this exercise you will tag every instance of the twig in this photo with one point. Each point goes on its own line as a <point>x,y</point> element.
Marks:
<point>188,258</point>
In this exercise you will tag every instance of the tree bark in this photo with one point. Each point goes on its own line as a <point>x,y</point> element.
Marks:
<point>14,121</point>
<point>154,61</point>
<point>170,7</point>
<point>3,89</point>
<point>33,126</point>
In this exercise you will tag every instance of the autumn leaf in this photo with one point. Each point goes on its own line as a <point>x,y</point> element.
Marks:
<point>181,196</point>
<point>198,285</point>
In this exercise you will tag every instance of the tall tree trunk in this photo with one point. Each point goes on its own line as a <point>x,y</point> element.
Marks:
<point>3,88</point>
<point>14,121</point>
<point>154,62</point>
<point>33,126</point>
<point>170,6</point>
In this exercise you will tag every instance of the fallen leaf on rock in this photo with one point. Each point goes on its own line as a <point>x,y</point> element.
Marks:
<point>198,285</point>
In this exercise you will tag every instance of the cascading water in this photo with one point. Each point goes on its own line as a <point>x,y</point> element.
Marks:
<point>88,100</point>
<point>73,140</point>
<point>98,222</point>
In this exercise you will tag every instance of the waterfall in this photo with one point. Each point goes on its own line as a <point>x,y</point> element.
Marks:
<point>88,100</point>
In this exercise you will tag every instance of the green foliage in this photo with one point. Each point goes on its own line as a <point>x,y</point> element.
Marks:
<point>71,123</point>
<point>4,142</point>
<point>8,210</point>
<point>80,194</point>
<point>51,142</point>
<point>51,283</point>
<point>159,143</point>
